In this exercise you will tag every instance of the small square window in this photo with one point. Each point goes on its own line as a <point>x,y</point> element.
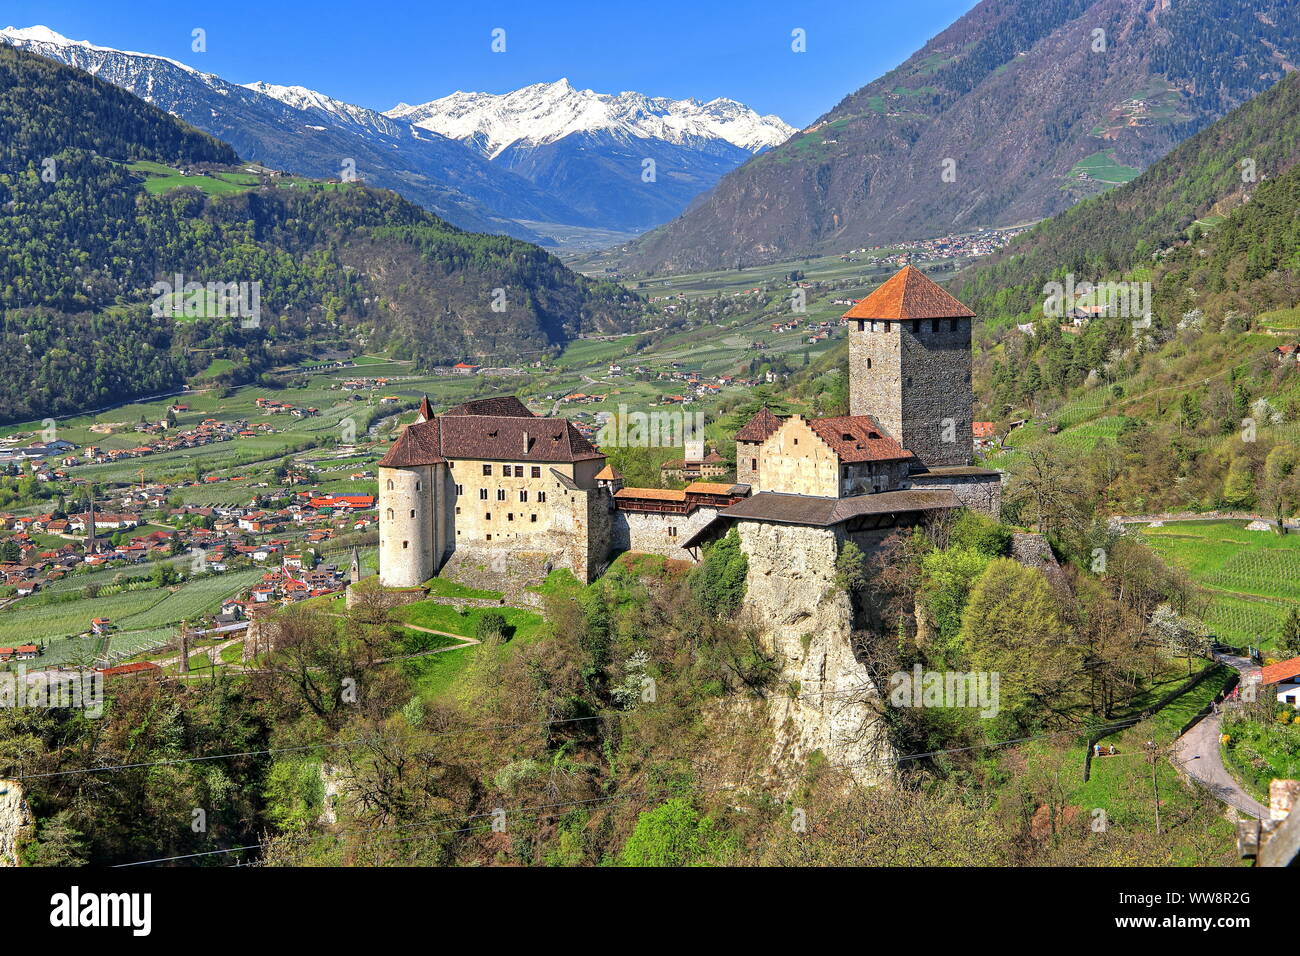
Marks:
<point>537,472</point>
<point>487,469</point>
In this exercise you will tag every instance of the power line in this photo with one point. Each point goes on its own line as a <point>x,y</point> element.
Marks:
<point>371,738</point>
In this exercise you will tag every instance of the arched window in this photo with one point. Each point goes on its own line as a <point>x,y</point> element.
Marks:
<point>390,514</point>
<point>390,484</point>
<point>417,486</point>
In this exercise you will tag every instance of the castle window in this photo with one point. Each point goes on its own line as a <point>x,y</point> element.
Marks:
<point>412,512</point>
<point>541,497</point>
<point>390,514</point>
<point>523,495</point>
<point>489,537</point>
<point>405,545</point>
<point>417,486</point>
<point>862,325</point>
<point>390,484</point>
<point>537,472</point>
<point>487,469</point>
<point>501,494</point>
<point>753,464</point>
<point>868,362</point>
<point>510,516</point>
<point>458,512</point>
<point>460,489</point>
<point>487,516</point>
<point>672,532</point>
<point>796,441</point>
<point>532,518</point>
<point>482,494</point>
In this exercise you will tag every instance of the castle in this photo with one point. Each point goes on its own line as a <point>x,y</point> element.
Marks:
<point>490,478</point>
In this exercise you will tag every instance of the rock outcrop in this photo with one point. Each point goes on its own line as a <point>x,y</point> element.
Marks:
<point>824,701</point>
<point>16,821</point>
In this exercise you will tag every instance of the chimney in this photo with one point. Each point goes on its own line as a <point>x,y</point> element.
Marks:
<point>526,443</point>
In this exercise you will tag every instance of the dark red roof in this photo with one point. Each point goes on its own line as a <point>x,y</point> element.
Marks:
<point>426,409</point>
<point>502,406</point>
<point>857,438</point>
<point>417,445</point>
<point>135,668</point>
<point>515,434</point>
<point>760,427</point>
<point>909,294</point>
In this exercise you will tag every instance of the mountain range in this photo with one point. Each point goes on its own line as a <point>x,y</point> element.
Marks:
<point>590,150</point>
<point>103,195</point>
<point>587,178</point>
<point>1013,113</point>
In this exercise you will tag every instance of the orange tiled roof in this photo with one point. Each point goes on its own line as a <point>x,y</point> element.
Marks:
<point>857,438</point>
<point>909,294</point>
<point>651,494</point>
<point>1282,670</point>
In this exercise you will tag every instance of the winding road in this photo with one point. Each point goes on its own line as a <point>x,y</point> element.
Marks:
<point>1197,753</point>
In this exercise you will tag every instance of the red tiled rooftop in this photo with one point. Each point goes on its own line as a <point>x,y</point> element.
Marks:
<point>909,294</point>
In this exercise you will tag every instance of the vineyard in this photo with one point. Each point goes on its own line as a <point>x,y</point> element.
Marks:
<point>1251,579</point>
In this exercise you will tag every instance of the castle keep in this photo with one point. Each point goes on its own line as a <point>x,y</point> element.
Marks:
<point>489,477</point>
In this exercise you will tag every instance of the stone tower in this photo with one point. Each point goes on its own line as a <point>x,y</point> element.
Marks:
<point>92,547</point>
<point>910,367</point>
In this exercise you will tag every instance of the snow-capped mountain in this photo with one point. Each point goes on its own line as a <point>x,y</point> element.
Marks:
<point>547,153</point>
<point>305,132</point>
<point>546,112</point>
<point>591,150</point>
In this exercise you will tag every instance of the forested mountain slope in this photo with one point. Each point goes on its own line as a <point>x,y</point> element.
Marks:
<point>1013,113</point>
<point>85,232</point>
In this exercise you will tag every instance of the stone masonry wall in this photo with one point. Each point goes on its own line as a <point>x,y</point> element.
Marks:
<point>912,377</point>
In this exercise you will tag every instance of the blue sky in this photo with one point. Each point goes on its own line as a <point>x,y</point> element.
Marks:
<point>376,53</point>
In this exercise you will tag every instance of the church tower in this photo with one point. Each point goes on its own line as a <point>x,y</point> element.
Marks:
<point>91,546</point>
<point>910,367</point>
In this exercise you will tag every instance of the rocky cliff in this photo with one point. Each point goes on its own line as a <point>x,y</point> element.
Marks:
<point>825,700</point>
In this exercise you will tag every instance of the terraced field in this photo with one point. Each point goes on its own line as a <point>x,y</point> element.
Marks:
<point>1251,578</point>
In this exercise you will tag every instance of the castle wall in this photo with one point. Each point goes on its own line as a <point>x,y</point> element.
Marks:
<point>655,533</point>
<point>914,377</point>
<point>519,508</point>
<point>978,492</point>
<point>796,461</point>
<point>747,454</point>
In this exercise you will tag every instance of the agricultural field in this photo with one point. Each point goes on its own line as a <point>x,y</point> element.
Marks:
<point>1251,578</point>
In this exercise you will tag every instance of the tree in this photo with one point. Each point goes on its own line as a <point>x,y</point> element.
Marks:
<point>1289,641</point>
<point>1012,626</point>
<point>719,580</point>
<point>672,834</point>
